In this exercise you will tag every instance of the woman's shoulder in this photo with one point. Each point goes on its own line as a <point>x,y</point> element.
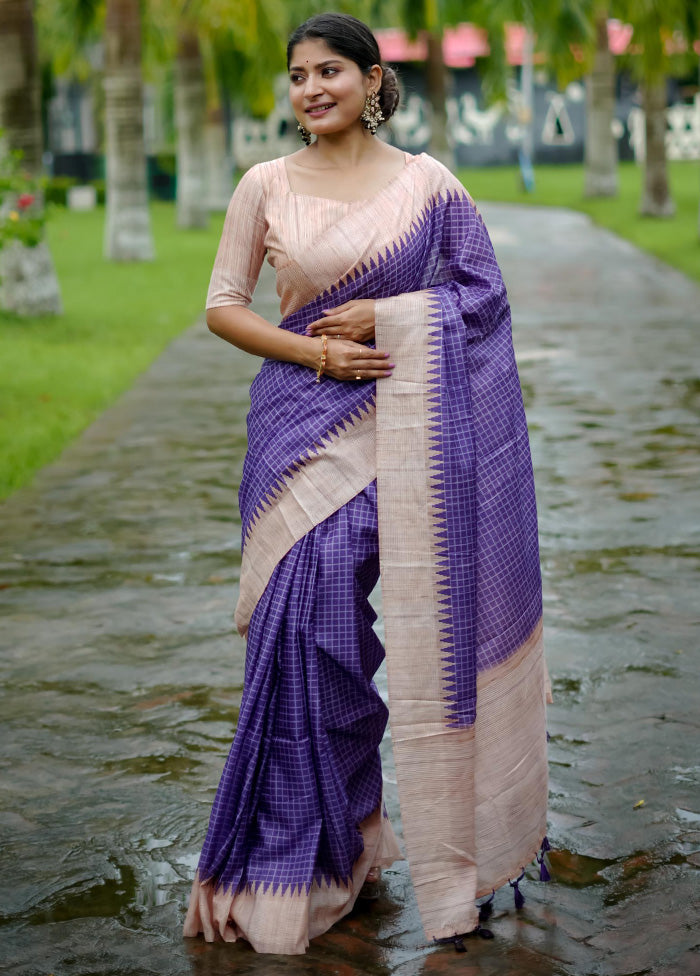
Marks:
<point>263,173</point>
<point>438,177</point>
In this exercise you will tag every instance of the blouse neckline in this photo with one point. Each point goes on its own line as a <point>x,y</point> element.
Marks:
<point>408,158</point>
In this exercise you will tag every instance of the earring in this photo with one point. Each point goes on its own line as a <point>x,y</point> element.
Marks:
<point>304,133</point>
<point>372,116</point>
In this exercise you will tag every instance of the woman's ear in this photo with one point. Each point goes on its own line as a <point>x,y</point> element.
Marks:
<point>374,76</point>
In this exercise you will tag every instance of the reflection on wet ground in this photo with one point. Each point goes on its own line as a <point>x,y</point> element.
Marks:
<point>122,675</point>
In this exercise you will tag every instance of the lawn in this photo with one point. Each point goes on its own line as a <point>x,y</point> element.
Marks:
<point>673,240</point>
<point>58,374</point>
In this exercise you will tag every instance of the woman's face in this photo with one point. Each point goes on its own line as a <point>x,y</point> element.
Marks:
<point>327,91</point>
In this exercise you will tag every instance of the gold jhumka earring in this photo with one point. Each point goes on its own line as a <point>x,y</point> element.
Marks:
<point>304,133</point>
<point>372,116</point>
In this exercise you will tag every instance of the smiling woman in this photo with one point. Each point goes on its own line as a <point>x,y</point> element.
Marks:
<point>386,435</point>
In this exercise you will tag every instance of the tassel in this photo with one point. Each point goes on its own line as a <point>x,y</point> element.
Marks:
<point>484,933</point>
<point>518,896</point>
<point>486,907</point>
<point>544,873</point>
<point>548,737</point>
<point>459,944</point>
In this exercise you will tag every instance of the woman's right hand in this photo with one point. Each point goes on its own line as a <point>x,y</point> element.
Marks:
<point>348,360</point>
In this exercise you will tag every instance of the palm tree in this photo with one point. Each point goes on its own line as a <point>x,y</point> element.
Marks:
<point>190,119</point>
<point>429,19</point>
<point>565,26</point>
<point>224,49</point>
<point>557,27</point>
<point>28,280</point>
<point>661,46</point>
<point>600,145</point>
<point>127,226</point>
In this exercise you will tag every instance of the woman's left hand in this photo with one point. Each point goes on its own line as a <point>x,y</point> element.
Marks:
<point>353,320</point>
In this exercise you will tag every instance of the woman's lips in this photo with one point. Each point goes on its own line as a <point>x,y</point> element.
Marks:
<point>316,111</point>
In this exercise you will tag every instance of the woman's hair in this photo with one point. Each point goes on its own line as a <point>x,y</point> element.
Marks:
<point>351,39</point>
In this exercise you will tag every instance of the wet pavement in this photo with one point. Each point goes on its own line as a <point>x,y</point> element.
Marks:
<point>122,674</point>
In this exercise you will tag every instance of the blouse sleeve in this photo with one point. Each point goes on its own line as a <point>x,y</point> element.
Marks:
<point>242,246</point>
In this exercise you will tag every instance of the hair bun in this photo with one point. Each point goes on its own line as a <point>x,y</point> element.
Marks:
<point>389,92</point>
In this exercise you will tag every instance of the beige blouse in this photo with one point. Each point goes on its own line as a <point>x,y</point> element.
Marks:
<point>266,216</point>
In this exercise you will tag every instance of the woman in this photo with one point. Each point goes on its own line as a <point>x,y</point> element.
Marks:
<point>411,457</point>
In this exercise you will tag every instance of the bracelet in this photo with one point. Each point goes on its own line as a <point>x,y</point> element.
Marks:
<point>322,363</point>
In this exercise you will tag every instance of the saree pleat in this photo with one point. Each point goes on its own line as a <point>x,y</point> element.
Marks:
<point>451,525</point>
<point>304,771</point>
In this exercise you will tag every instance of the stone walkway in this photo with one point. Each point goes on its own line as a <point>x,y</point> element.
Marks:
<point>122,674</point>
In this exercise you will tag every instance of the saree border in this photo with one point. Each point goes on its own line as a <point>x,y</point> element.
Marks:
<point>470,795</point>
<point>325,479</point>
<point>285,920</point>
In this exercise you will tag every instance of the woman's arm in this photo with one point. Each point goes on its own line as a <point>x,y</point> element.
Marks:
<point>251,333</point>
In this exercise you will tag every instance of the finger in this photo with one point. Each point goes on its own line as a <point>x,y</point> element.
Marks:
<point>323,328</point>
<point>370,374</point>
<point>371,368</point>
<point>370,356</point>
<point>328,325</point>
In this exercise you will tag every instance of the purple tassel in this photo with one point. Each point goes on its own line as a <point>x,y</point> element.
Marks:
<point>486,907</point>
<point>459,944</point>
<point>548,737</point>
<point>544,873</point>
<point>518,896</point>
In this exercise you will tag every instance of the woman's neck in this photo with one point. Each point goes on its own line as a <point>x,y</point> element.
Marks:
<point>346,150</point>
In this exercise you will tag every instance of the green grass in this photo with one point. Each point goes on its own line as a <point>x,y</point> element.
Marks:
<point>58,374</point>
<point>673,240</point>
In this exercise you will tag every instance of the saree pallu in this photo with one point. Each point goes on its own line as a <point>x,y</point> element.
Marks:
<point>441,450</point>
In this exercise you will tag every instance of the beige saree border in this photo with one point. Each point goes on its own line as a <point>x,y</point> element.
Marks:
<point>473,800</point>
<point>330,475</point>
<point>285,922</point>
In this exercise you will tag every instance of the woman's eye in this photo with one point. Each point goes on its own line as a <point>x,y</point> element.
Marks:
<point>331,71</point>
<point>295,78</point>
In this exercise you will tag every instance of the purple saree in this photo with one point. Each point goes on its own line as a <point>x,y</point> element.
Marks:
<point>427,480</point>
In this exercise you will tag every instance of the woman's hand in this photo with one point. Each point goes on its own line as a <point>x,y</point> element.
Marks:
<point>347,360</point>
<point>352,320</point>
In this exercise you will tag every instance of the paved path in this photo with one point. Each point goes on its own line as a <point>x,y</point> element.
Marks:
<point>122,674</point>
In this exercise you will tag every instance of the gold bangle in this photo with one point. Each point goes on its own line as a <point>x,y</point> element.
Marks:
<point>322,362</point>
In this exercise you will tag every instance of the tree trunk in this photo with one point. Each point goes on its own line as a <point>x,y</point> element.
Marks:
<point>29,284</point>
<point>436,83</point>
<point>601,145</point>
<point>219,164</point>
<point>656,199</point>
<point>128,224</point>
<point>190,116</point>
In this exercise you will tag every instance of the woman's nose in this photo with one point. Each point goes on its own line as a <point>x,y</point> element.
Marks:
<point>312,85</point>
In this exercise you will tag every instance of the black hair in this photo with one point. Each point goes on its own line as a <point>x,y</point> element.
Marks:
<point>352,39</point>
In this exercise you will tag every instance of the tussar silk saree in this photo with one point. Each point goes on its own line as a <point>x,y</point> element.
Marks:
<point>425,479</point>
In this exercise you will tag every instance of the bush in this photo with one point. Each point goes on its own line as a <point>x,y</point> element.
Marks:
<point>57,189</point>
<point>101,188</point>
<point>22,211</point>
